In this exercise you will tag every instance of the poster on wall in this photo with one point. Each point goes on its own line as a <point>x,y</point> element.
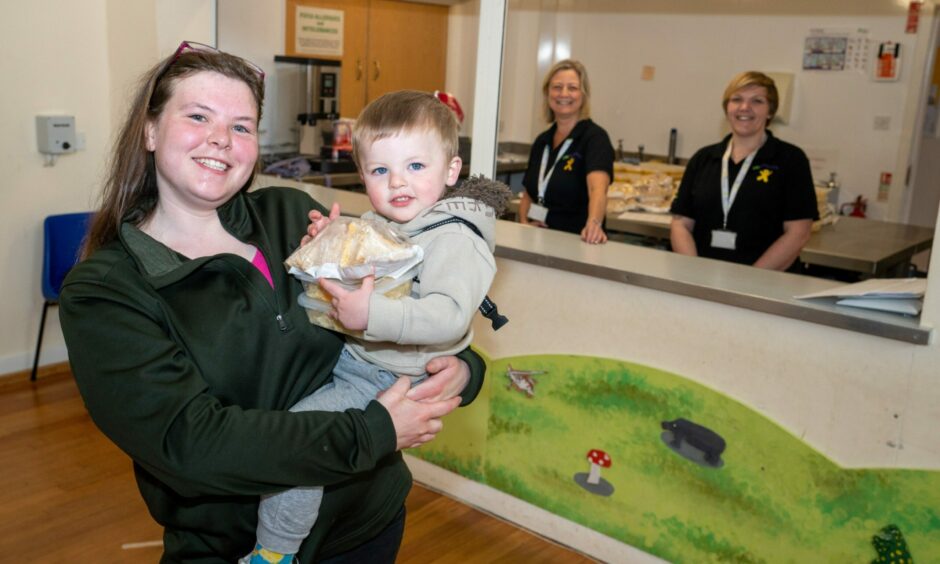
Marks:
<point>319,31</point>
<point>888,64</point>
<point>836,50</point>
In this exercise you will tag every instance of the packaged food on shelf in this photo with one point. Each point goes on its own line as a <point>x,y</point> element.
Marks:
<point>626,172</point>
<point>647,192</point>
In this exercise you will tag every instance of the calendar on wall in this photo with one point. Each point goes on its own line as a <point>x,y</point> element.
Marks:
<point>837,50</point>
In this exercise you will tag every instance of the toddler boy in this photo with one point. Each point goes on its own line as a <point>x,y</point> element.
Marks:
<point>405,147</point>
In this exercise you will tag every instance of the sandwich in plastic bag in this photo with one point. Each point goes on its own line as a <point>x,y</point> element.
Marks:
<point>347,250</point>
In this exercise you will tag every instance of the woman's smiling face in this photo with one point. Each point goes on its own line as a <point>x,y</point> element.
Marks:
<point>205,142</point>
<point>564,94</point>
<point>748,111</point>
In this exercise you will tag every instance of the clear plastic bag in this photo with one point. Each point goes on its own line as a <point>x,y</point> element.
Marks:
<point>349,249</point>
<point>317,301</point>
<point>346,251</point>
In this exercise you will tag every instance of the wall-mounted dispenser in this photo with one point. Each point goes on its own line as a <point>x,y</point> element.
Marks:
<point>55,135</point>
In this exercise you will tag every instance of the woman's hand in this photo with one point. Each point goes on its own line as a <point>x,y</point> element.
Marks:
<point>350,307</point>
<point>593,233</point>
<point>448,376</point>
<point>318,223</point>
<point>415,422</point>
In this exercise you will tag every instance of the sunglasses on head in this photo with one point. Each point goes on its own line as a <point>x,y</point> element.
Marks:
<point>203,48</point>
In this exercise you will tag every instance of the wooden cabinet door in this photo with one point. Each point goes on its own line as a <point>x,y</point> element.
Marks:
<point>352,83</point>
<point>407,47</point>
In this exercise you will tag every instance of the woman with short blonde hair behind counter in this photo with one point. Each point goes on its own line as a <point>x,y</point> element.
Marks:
<point>750,198</point>
<point>572,163</point>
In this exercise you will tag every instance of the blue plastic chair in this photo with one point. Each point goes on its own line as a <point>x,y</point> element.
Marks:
<point>63,235</point>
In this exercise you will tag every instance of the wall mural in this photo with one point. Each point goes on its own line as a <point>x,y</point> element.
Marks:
<point>678,470</point>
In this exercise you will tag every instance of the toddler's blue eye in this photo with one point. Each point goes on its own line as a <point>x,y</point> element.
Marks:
<point>416,166</point>
<point>379,170</point>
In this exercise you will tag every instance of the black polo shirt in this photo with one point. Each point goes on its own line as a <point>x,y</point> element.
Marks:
<point>567,194</point>
<point>777,188</point>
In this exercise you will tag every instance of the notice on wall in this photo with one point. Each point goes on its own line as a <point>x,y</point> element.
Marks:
<point>319,31</point>
<point>888,62</point>
<point>837,50</point>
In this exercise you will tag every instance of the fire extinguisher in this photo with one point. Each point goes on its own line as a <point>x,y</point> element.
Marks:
<point>858,207</point>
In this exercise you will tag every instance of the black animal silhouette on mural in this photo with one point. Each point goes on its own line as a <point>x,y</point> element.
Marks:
<point>702,438</point>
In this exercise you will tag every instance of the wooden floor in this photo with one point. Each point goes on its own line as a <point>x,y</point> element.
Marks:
<point>68,495</point>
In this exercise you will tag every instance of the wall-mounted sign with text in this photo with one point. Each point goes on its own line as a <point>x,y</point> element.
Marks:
<point>319,31</point>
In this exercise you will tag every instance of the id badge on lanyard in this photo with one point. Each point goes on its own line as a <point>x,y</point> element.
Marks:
<point>538,211</point>
<point>723,238</point>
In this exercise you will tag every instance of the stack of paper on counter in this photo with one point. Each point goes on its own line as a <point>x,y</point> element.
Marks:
<point>896,295</point>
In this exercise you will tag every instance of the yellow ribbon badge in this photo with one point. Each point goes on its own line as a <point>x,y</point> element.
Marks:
<point>764,175</point>
<point>569,164</point>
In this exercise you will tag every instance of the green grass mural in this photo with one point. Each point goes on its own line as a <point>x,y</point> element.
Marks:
<point>772,498</point>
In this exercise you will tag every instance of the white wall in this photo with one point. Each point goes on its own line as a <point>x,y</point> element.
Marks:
<point>831,111</point>
<point>77,58</point>
<point>178,20</point>
<point>463,26</point>
<point>695,51</point>
<point>255,31</point>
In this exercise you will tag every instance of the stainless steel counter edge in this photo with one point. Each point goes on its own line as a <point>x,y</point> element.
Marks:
<point>716,281</point>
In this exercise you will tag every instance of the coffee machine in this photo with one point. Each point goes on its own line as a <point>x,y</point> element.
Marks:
<point>319,112</point>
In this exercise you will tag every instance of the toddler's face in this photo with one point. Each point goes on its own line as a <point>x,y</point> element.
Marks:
<point>406,173</point>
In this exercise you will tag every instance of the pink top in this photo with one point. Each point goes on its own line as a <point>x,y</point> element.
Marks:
<point>261,264</point>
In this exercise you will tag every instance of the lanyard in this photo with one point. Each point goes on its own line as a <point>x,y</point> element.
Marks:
<point>728,195</point>
<point>544,178</point>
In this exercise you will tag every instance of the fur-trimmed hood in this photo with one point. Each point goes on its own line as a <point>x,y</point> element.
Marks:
<point>493,193</point>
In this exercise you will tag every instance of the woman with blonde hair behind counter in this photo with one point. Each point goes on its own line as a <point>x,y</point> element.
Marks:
<point>749,199</point>
<point>572,163</point>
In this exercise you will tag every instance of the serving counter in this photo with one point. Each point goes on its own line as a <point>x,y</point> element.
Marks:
<point>716,281</point>
<point>866,246</point>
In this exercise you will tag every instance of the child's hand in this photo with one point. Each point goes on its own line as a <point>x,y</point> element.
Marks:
<point>351,308</point>
<point>318,223</point>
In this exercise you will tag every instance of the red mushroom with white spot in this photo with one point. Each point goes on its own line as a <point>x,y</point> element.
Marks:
<point>598,459</point>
